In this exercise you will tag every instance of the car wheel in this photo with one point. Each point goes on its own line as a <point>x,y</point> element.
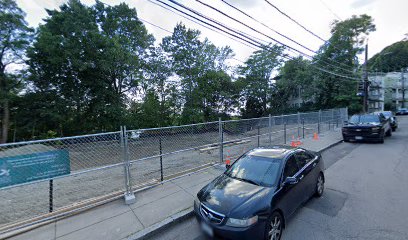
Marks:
<point>319,185</point>
<point>274,227</point>
<point>381,140</point>
<point>394,128</point>
<point>389,133</point>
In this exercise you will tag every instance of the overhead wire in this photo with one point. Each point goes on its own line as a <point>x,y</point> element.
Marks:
<point>280,34</point>
<point>234,34</point>
<point>300,25</point>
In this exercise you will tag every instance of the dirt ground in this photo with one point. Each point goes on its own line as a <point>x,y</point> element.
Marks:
<point>31,200</point>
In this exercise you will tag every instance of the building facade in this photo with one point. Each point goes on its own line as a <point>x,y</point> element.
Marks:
<point>387,91</point>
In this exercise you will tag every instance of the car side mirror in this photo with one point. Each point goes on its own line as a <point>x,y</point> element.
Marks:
<point>290,181</point>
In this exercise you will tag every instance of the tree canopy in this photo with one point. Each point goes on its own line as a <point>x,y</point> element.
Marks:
<point>93,68</point>
<point>391,58</point>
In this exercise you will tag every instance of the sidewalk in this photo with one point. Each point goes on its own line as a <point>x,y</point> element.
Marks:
<point>154,208</point>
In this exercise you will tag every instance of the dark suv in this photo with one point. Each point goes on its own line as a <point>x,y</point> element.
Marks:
<point>367,127</point>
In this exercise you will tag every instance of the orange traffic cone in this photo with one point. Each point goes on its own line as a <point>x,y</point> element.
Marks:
<point>315,136</point>
<point>298,142</point>
<point>228,160</point>
<point>293,143</point>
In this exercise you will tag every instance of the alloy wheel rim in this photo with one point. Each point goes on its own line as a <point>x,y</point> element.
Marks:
<point>276,228</point>
<point>320,184</point>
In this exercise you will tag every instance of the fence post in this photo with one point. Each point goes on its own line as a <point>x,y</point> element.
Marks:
<point>129,195</point>
<point>303,128</point>
<point>161,159</point>
<point>346,115</point>
<point>270,129</point>
<point>284,132</point>
<point>221,139</point>
<point>259,133</point>
<point>298,123</point>
<point>51,194</point>
<point>318,121</point>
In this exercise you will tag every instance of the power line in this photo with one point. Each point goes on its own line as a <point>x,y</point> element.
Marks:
<point>282,35</point>
<point>303,27</point>
<point>168,31</point>
<point>273,39</point>
<point>330,10</point>
<point>200,24</point>
<point>154,25</point>
<point>241,36</point>
<point>293,20</point>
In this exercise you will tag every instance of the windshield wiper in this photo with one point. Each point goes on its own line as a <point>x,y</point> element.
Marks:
<point>246,180</point>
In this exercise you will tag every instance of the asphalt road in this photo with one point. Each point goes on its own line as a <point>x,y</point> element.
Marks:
<point>365,196</point>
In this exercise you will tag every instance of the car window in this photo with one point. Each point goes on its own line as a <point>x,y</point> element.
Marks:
<point>291,167</point>
<point>302,158</point>
<point>259,170</point>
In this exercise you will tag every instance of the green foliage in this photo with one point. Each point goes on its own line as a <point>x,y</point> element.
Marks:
<point>257,86</point>
<point>15,36</point>
<point>391,58</point>
<point>90,60</point>
<point>346,42</point>
<point>205,88</point>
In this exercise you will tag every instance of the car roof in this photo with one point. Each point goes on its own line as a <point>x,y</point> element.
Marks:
<point>367,114</point>
<point>276,152</point>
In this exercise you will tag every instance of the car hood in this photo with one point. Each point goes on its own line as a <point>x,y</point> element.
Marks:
<point>225,194</point>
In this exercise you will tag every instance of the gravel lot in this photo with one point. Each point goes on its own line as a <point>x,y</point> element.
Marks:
<point>31,200</point>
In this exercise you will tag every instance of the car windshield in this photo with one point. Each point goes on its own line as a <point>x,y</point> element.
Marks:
<point>364,119</point>
<point>256,170</point>
<point>387,114</point>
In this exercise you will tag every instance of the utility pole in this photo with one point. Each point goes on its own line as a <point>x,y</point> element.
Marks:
<point>403,87</point>
<point>365,80</point>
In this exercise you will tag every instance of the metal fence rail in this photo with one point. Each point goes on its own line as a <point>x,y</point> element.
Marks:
<point>101,166</point>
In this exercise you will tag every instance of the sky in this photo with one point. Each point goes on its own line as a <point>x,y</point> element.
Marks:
<point>390,18</point>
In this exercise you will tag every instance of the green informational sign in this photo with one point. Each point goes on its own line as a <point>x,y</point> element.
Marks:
<point>32,167</point>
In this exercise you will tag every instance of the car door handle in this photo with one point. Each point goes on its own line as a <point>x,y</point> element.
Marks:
<point>314,164</point>
<point>301,177</point>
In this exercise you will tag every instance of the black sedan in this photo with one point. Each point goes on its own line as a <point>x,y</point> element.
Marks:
<point>257,194</point>
<point>367,127</point>
<point>402,111</point>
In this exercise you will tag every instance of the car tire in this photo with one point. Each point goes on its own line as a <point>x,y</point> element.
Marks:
<point>381,140</point>
<point>274,226</point>
<point>319,189</point>
<point>389,133</point>
<point>394,128</point>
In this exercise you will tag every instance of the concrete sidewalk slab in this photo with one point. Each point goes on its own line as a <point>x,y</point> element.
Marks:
<point>155,208</point>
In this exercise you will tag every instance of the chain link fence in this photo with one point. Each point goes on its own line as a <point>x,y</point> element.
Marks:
<point>46,179</point>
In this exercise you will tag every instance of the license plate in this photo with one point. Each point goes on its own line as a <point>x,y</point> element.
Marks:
<point>207,229</point>
<point>359,138</point>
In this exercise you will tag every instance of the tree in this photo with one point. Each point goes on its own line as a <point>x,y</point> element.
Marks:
<point>193,61</point>
<point>14,39</point>
<point>339,56</point>
<point>391,58</point>
<point>92,59</point>
<point>256,85</point>
<point>296,74</point>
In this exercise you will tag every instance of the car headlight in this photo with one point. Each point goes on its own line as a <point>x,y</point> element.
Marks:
<point>375,129</point>
<point>233,222</point>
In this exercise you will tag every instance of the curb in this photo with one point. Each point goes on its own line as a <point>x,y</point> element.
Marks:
<point>330,146</point>
<point>160,226</point>
<point>180,216</point>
